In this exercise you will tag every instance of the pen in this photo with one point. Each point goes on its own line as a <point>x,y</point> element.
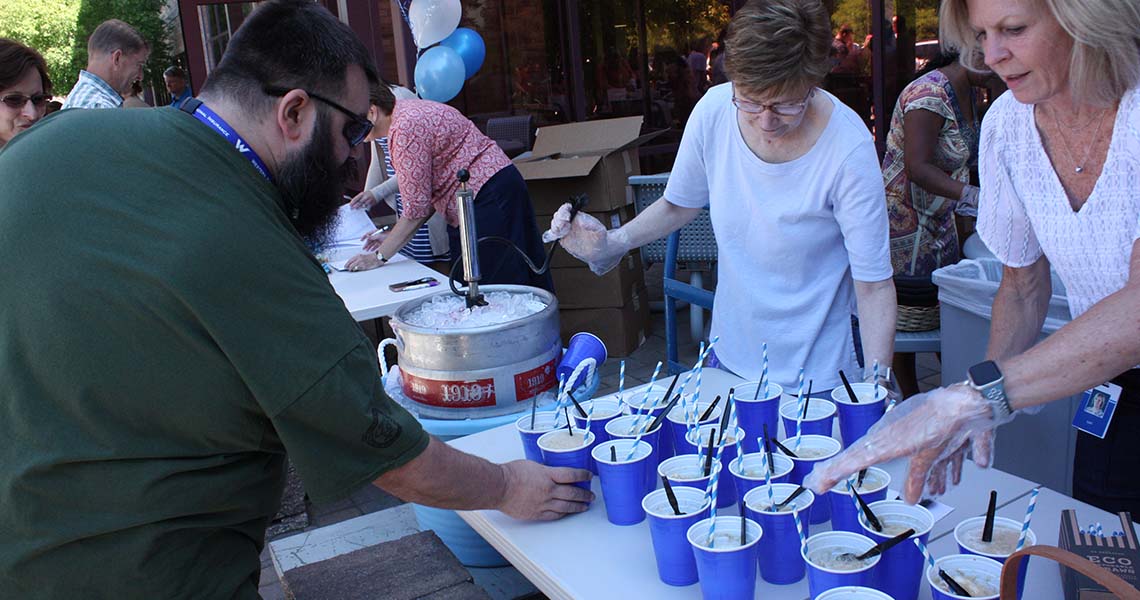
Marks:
<point>420,286</point>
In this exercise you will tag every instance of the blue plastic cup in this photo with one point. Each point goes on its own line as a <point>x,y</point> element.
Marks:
<point>853,592</point>
<point>753,415</point>
<point>980,576</point>
<point>822,573</point>
<point>856,419</point>
<point>844,516</point>
<point>748,472</point>
<point>901,568</point>
<point>555,454</point>
<point>968,534</point>
<point>669,531</point>
<point>604,411</point>
<point>727,568</point>
<point>687,471</point>
<point>726,490</point>
<point>820,417</point>
<point>823,446</point>
<point>582,345</point>
<point>623,481</point>
<point>652,401</point>
<point>679,428</point>
<point>543,422</point>
<point>779,553</point>
<point>619,429</point>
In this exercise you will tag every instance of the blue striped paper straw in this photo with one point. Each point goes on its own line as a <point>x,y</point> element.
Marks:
<point>558,398</point>
<point>924,551</point>
<point>875,380</point>
<point>713,487</point>
<point>621,385</point>
<point>800,410</point>
<point>1028,515</point>
<point>764,370</point>
<point>767,475</point>
<point>645,401</point>
<point>690,403</point>
<point>854,500</point>
<point>800,530</point>
<point>732,427</point>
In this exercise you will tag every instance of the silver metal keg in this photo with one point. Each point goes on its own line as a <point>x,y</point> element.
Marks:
<point>482,371</point>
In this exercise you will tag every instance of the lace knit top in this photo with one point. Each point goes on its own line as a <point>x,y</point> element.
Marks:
<point>1023,211</point>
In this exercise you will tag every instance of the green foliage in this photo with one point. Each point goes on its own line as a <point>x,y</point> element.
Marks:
<point>49,27</point>
<point>144,15</point>
<point>856,13</point>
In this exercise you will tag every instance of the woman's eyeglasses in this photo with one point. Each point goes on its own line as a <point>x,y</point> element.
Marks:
<point>355,130</point>
<point>18,101</point>
<point>783,110</point>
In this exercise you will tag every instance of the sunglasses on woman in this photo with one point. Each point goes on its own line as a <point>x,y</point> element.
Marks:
<point>355,130</point>
<point>18,101</point>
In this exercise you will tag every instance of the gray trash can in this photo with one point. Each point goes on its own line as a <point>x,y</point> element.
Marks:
<point>1038,447</point>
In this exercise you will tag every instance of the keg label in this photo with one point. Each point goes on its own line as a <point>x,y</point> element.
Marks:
<point>535,381</point>
<point>450,394</point>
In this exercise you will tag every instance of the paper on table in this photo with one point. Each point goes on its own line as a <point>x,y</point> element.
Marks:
<point>936,508</point>
<point>352,224</point>
<point>338,265</point>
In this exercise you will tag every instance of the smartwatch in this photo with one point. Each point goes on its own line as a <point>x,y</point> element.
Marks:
<point>987,379</point>
<point>380,257</point>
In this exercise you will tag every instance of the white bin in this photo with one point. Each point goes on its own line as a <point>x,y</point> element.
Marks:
<point>1038,447</point>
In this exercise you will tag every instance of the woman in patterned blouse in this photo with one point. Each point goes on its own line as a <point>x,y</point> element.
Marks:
<point>429,143</point>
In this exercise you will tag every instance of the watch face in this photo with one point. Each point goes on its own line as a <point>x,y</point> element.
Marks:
<point>984,373</point>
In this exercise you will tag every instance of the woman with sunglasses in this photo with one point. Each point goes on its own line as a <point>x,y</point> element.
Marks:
<point>429,143</point>
<point>791,180</point>
<point>24,88</point>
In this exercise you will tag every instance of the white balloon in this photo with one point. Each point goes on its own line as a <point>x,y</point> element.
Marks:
<point>433,20</point>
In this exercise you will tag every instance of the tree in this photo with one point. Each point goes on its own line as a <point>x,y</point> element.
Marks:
<point>49,27</point>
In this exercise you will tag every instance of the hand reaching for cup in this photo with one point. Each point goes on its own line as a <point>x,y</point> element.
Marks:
<point>537,492</point>
<point>934,429</point>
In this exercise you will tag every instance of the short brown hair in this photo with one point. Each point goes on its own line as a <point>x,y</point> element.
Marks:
<point>16,59</point>
<point>380,95</point>
<point>1105,62</point>
<point>778,45</point>
<point>114,34</point>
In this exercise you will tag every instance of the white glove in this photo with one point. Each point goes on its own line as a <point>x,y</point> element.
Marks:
<point>588,240</point>
<point>887,380</point>
<point>968,202</point>
<point>932,428</point>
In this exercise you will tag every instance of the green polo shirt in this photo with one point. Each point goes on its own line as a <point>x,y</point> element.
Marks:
<point>165,339</point>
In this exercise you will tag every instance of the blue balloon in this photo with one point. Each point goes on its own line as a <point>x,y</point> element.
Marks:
<point>439,74</point>
<point>470,48</point>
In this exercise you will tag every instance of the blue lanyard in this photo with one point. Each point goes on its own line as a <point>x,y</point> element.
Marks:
<point>204,114</point>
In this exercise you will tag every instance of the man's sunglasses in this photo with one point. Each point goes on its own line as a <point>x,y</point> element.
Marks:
<point>355,130</point>
<point>18,101</point>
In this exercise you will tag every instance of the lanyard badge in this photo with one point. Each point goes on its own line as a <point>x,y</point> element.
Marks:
<point>1094,414</point>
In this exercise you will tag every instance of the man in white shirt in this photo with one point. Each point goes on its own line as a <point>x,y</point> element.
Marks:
<point>116,53</point>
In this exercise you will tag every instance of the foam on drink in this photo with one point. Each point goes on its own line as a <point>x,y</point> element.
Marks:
<point>562,440</point>
<point>979,585</point>
<point>1004,541</point>
<point>896,524</point>
<point>806,452</point>
<point>836,558</point>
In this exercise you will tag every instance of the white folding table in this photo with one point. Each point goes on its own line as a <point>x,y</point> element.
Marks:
<point>366,294</point>
<point>585,557</point>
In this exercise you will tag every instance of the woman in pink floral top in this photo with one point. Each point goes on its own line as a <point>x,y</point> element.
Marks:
<point>429,143</point>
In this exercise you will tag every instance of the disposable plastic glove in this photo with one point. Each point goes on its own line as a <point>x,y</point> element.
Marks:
<point>932,428</point>
<point>587,239</point>
<point>968,201</point>
<point>886,379</point>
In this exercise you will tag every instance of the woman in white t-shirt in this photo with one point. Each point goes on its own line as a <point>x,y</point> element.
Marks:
<point>1060,174</point>
<point>790,176</point>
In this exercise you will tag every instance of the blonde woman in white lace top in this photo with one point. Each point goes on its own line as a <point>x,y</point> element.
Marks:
<point>1060,180</point>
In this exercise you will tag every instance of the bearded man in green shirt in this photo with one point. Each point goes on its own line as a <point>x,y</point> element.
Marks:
<point>160,354</point>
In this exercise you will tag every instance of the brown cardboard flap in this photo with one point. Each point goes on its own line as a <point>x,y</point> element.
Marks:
<point>587,137</point>
<point>557,168</point>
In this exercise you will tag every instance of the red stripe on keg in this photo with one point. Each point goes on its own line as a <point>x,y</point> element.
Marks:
<point>534,382</point>
<point>449,394</point>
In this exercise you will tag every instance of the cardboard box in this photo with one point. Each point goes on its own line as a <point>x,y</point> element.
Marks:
<point>623,330</point>
<point>1119,555</point>
<point>611,218</point>
<point>579,287</point>
<point>595,158</point>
